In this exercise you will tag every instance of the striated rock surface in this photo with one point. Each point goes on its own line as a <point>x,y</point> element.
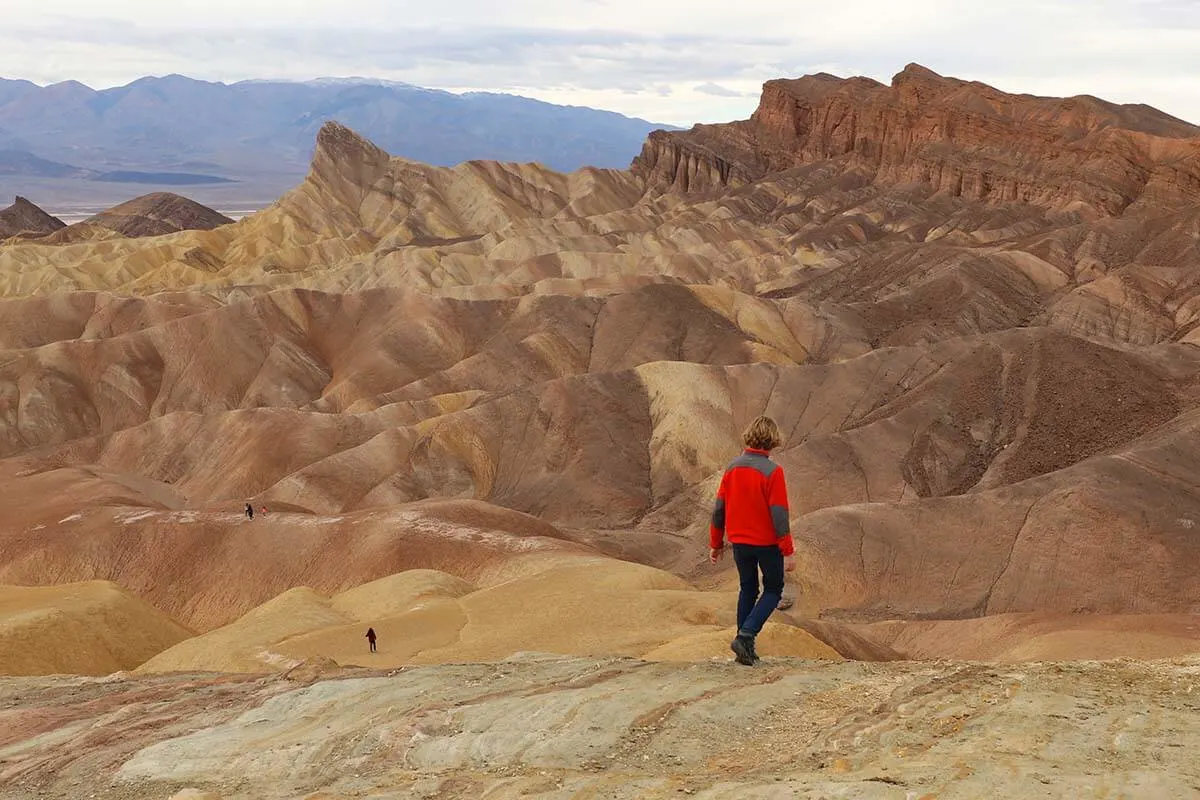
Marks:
<point>537,726</point>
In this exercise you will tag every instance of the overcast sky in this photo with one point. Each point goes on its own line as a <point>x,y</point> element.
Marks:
<point>671,61</point>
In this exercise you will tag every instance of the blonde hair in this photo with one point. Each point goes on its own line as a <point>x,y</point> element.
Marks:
<point>762,434</point>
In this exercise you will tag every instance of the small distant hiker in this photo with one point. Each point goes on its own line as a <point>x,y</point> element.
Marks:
<point>249,511</point>
<point>371,638</point>
<point>752,512</point>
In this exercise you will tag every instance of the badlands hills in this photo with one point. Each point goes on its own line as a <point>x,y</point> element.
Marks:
<point>484,409</point>
<point>153,214</point>
<point>486,406</point>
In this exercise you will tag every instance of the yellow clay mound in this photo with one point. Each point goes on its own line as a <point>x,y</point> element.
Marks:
<point>579,605</point>
<point>93,628</point>
<point>301,624</point>
<point>398,593</point>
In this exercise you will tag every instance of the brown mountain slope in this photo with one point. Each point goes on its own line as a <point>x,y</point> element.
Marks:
<point>149,215</point>
<point>158,213</point>
<point>978,334</point>
<point>24,218</point>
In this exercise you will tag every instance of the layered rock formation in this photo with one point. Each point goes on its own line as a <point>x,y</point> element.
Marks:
<point>979,336</point>
<point>961,139</point>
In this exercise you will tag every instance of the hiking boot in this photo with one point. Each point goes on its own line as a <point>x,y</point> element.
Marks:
<point>753,652</point>
<point>743,650</point>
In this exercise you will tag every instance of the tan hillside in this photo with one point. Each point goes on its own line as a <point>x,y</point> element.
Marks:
<point>1043,637</point>
<point>264,639</point>
<point>575,605</point>
<point>92,628</point>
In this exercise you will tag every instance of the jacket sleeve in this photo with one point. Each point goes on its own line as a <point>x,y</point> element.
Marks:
<point>777,499</point>
<point>716,528</point>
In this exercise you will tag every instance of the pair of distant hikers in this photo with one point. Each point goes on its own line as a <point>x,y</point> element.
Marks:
<point>752,512</point>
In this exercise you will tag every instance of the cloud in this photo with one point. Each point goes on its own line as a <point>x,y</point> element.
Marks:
<point>716,90</point>
<point>594,59</point>
<point>670,61</point>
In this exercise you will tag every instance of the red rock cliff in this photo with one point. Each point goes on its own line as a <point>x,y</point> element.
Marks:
<point>966,139</point>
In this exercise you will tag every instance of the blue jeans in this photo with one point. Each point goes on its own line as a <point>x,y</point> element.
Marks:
<point>753,610</point>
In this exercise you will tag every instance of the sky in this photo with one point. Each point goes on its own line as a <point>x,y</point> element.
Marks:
<point>669,61</point>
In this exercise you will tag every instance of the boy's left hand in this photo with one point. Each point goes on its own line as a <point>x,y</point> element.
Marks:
<point>716,554</point>
<point>789,563</point>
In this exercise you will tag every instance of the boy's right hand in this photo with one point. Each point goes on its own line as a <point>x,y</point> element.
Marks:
<point>789,563</point>
<point>716,554</point>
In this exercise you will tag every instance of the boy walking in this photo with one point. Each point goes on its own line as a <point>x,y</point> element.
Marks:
<point>752,511</point>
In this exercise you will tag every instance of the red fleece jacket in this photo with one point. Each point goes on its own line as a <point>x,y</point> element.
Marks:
<point>752,504</point>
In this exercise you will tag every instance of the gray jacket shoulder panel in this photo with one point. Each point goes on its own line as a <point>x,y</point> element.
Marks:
<point>754,461</point>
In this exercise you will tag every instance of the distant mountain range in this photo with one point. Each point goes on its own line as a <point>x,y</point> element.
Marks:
<point>24,163</point>
<point>176,131</point>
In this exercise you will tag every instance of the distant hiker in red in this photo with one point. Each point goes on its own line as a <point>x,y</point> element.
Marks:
<point>752,511</point>
<point>371,638</point>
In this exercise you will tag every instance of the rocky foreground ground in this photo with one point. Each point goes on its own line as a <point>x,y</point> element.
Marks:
<point>549,727</point>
